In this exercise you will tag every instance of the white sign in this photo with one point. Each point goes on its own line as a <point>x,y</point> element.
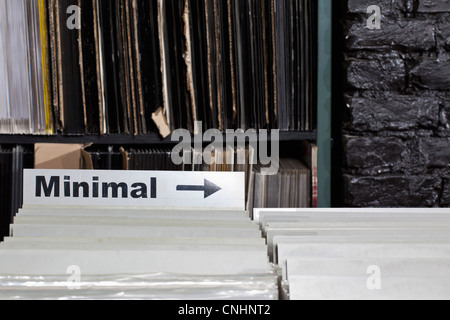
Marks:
<point>171,189</point>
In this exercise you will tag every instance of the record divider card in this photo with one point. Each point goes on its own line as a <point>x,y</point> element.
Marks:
<point>153,189</point>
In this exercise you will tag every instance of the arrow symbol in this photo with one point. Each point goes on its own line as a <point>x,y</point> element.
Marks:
<point>208,188</point>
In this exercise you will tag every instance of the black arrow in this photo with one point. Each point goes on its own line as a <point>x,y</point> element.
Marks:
<point>209,188</point>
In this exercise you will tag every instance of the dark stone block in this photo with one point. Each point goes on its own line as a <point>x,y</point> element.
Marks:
<point>443,32</point>
<point>432,74</point>
<point>377,111</point>
<point>445,200</point>
<point>360,6</point>
<point>408,8</point>
<point>377,155</point>
<point>380,155</point>
<point>377,72</point>
<point>434,152</point>
<point>434,6</point>
<point>413,34</point>
<point>444,115</point>
<point>392,191</point>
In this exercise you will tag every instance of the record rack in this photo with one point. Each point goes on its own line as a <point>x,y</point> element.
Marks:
<point>144,139</point>
<point>192,81</point>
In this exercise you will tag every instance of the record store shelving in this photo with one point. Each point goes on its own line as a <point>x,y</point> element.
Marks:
<point>321,135</point>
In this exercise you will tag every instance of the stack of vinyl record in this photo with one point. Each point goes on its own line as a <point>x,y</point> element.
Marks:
<point>135,67</point>
<point>24,79</point>
<point>152,159</point>
<point>359,254</point>
<point>289,188</point>
<point>250,63</point>
<point>13,161</point>
<point>129,253</point>
<point>105,158</point>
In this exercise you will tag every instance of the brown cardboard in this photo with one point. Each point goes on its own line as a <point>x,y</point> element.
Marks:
<point>61,156</point>
<point>161,122</point>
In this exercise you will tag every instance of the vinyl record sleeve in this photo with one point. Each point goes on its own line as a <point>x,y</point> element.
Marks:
<point>121,212</point>
<point>5,190</point>
<point>260,213</point>
<point>397,288</point>
<point>135,231</point>
<point>150,61</point>
<point>148,221</point>
<point>187,241</point>
<point>362,251</point>
<point>88,65</point>
<point>68,61</point>
<point>353,239</point>
<point>36,262</point>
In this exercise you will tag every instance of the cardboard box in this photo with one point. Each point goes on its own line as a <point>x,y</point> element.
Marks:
<point>62,156</point>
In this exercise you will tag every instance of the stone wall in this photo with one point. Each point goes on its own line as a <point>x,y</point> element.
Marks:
<point>396,139</point>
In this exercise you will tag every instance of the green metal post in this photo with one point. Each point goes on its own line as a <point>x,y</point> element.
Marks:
<point>324,102</point>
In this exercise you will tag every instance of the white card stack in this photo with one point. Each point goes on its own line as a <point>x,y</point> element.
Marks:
<point>129,253</point>
<point>359,254</point>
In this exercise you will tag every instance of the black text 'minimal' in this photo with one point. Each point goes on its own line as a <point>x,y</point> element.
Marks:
<point>93,189</point>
